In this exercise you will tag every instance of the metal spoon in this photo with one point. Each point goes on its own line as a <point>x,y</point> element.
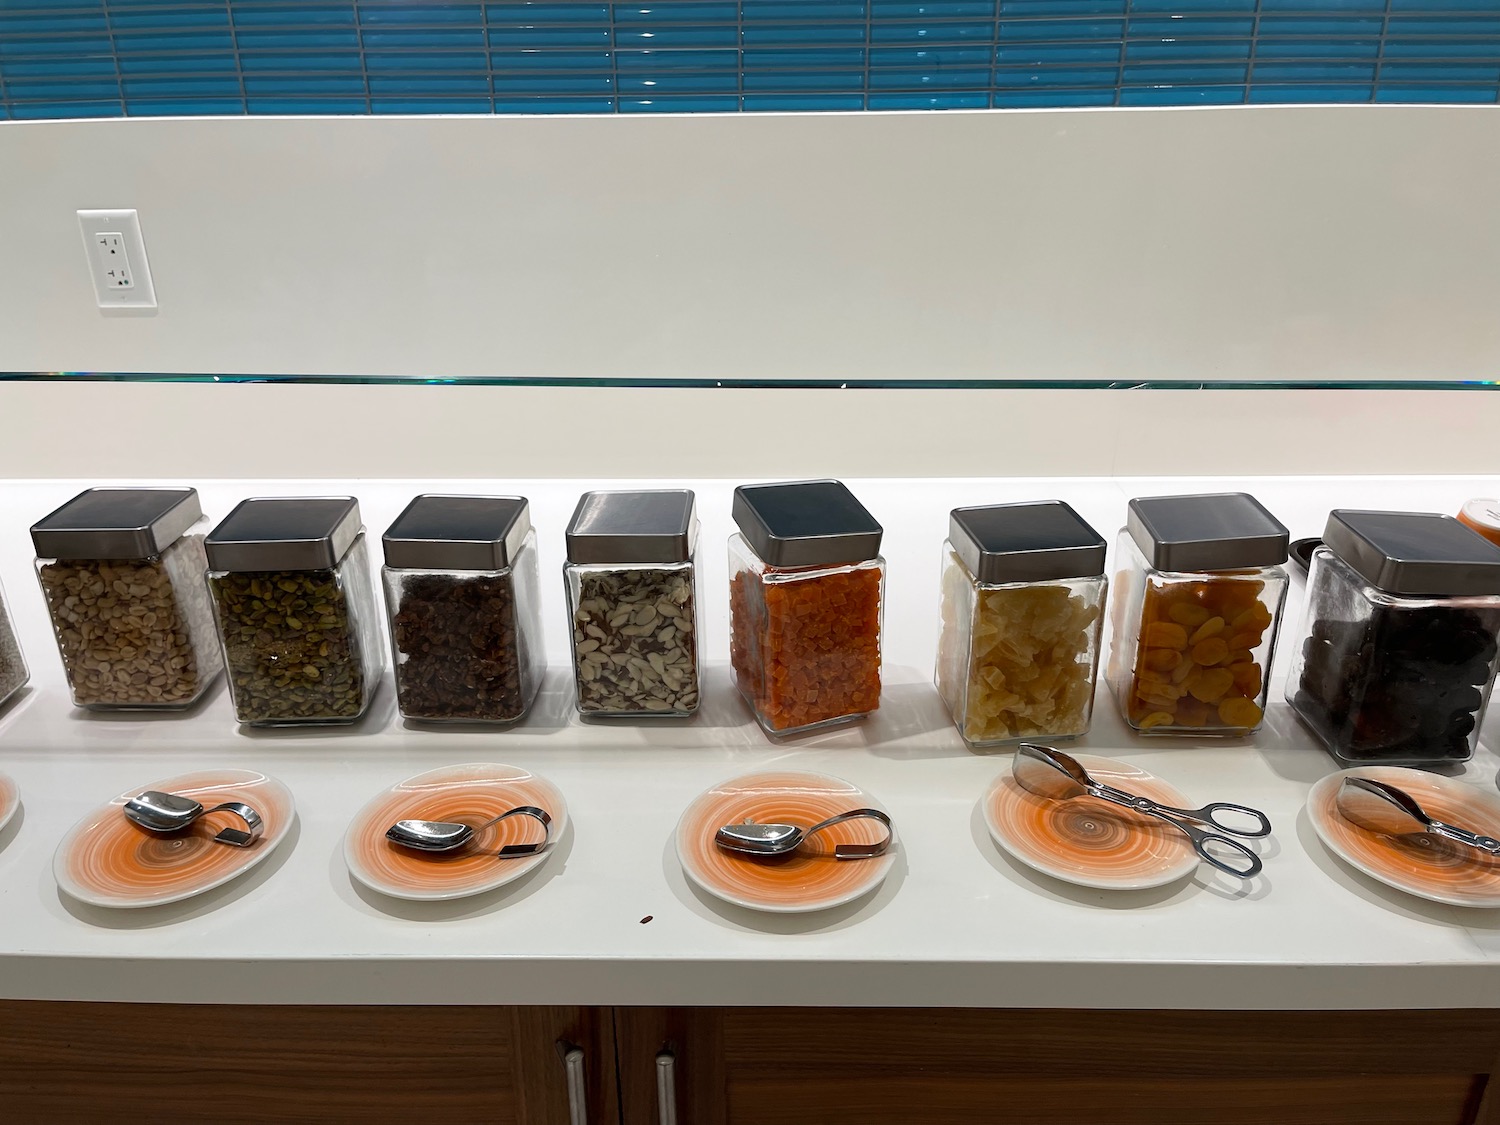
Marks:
<point>170,812</point>
<point>779,839</point>
<point>1051,773</point>
<point>1390,811</point>
<point>448,835</point>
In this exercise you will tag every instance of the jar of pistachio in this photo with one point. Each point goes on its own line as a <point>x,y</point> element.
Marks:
<point>1023,601</point>
<point>13,673</point>
<point>295,604</point>
<point>122,572</point>
<point>630,581</point>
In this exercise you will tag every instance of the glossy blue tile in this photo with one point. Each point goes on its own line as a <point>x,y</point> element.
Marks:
<point>423,39</point>
<point>677,60</point>
<point>815,11</point>
<point>1059,53</point>
<point>663,38</point>
<point>1313,74</point>
<point>80,67</point>
<point>431,105</point>
<point>801,103</point>
<point>1186,50</point>
<point>1402,92</point>
<point>30,111</point>
<point>41,23</point>
<point>310,39</point>
<point>28,89</point>
<point>932,9</point>
<point>256,63</point>
<point>430,85</point>
<point>831,34</point>
<point>1442,49</point>
<point>548,13</point>
<point>205,87</point>
<point>554,105</point>
<point>674,11</point>
<point>1016,9</point>
<point>420,14</point>
<point>688,103</point>
<point>297,84</point>
<point>554,85</point>
<point>1037,76</point>
<point>654,85</point>
<point>294,15</point>
<point>20,47</point>
<point>186,107</point>
<point>933,33</point>
<point>1192,27</point>
<point>1012,30</point>
<point>1185,74</point>
<point>1410,26</point>
<point>1442,5</point>
<point>929,80</point>
<point>542,35</point>
<point>1322,7</point>
<point>830,57</point>
<point>1314,93</point>
<point>1182,95</point>
<point>299,106</point>
<point>1185,7</point>
<point>1393,70</point>
<point>1033,99</point>
<point>1357,27</point>
<point>385,62</point>
<point>803,80</point>
<point>535,61</point>
<point>1317,48</point>
<point>172,19</point>
<point>178,64</point>
<point>928,101</point>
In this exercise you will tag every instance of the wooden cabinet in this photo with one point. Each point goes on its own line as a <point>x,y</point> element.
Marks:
<point>746,1066</point>
<point>62,1063</point>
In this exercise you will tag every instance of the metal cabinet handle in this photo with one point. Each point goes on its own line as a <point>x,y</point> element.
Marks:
<point>578,1109</point>
<point>666,1088</point>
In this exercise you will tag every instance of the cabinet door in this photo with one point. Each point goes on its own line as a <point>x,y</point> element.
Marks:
<point>747,1066</point>
<point>72,1062</point>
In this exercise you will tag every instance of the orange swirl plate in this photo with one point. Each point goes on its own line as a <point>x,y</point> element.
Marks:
<point>105,860</point>
<point>1088,841</point>
<point>468,794</point>
<point>810,878</point>
<point>1421,864</point>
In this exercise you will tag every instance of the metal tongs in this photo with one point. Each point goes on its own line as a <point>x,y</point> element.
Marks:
<point>1391,811</point>
<point>780,839</point>
<point>1057,776</point>
<point>170,812</point>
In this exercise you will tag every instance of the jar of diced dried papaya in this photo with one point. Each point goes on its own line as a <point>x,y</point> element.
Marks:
<point>805,593</point>
<point>1199,589</point>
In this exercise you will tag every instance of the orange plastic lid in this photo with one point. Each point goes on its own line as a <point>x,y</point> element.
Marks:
<point>1483,515</point>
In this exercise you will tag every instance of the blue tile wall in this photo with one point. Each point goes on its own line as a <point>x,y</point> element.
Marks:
<point>110,58</point>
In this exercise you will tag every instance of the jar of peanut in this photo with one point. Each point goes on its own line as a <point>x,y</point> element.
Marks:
<point>1199,588</point>
<point>1023,602</point>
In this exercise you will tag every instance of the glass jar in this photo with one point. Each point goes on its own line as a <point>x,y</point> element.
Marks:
<point>1199,589</point>
<point>461,592</point>
<point>1403,616</point>
<point>122,570</point>
<point>632,594</point>
<point>295,605</point>
<point>13,671</point>
<point>805,601</point>
<point>1023,602</point>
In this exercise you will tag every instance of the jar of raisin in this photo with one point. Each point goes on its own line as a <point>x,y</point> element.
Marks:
<point>462,594</point>
<point>1199,589</point>
<point>1403,617</point>
<point>806,596</point>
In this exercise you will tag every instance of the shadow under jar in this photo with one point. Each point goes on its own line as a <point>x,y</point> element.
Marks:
<point>122,573</point>
<point>461,591</point>
<point>1199,590</point>
<point>1023,607</point>
<point>13,671</point>
<point>295,606</point>
<point>806,593</point>
<point>632,594</point>
<point>1403,616</point>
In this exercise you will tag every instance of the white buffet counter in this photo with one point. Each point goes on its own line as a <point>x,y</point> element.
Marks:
<point>957,923</point>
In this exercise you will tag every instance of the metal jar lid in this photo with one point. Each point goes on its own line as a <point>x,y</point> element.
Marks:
<point>285,533</point>
<point>806,523</point>
<point>1420,553</point>
<point>117,523</point>
<point>1211,531</point>
<point>438,532</point>
<point>1042,541</point>
<point>655,526</point>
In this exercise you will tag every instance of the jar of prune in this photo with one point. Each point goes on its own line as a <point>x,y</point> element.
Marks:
<point>1199,589</point>
<point>461,590</point>
<point>632,557</point>
<point>1403,613</point>
<point>122,573</point>
<point>1023,607</point>
<point>13,673</point>
<point>295,604</point>
<point>805,603</point>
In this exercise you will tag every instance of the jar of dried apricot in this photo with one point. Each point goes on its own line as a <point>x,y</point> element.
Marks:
<point>1023,607</point>
<point>805,594</point>
<point>1199,589</point>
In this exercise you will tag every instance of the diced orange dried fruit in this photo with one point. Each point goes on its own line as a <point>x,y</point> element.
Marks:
<point>1210,651</point>
<point>1164,634</point>
<point>1242,713</point>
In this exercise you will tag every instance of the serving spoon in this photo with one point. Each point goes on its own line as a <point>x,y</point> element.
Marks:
<point>779,839</point>
<point>449,835</point>
<point>1390,811</point>
<point>156,811</point>
<point>1057,776</point>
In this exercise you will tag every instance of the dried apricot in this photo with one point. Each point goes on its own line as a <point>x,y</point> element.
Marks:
<point>1156,719</point>
<point>1187,615</point>
<point>1164,634</point>
<point>1210,651</point>
<point>1242,713</point>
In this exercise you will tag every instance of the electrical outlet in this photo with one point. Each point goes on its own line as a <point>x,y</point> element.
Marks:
<point>117,259</point>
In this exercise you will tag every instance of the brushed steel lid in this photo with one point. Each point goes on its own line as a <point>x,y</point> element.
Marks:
<point>1420,553</point>
<point>1208,531</point>
<point>1040,541</point>
<point>285,533</point>
<point>117,523</point>
<point>806,523</point>
<point>650,526</point>
<point>441,532</point>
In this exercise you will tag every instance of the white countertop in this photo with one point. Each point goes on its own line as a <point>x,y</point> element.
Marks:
<point>957,922</point>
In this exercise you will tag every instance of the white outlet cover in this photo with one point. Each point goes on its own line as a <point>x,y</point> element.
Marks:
<point>140,293</point>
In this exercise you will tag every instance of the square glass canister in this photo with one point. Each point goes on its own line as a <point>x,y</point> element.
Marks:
<point>1403,616</point>
<point>806,595</point>
<point>13,671</point>
<point>632,593</point>
<point>295,604</point>
<point>1023,609</point>
<point>1199,588</point>
<point>462,595</point>
<point>122,570</point>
